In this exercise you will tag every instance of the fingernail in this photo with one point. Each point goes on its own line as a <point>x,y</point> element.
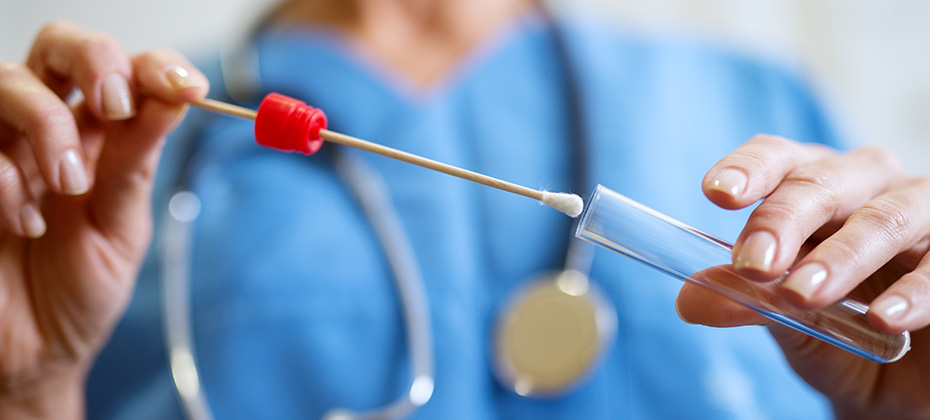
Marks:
<point>181,78</point>
<point>730,181</point>
<point>891,308</point>
<point>680,316</point>
<point>73,174</point>
<point>33,223</point>
<point>806,280</point>
<point>117,98</point>
<point>757,252</point>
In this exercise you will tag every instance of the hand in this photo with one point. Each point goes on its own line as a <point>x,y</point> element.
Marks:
<point>75,184</point>
<point>845,224</point>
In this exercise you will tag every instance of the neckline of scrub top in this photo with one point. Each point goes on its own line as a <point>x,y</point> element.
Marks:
<point>392,82</point>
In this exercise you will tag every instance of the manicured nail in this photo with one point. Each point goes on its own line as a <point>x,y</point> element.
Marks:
<point>806,280</point>
<point>181,78</point>
<point>33,223</point>
<point>117,98</point>
<point>730,181</point>
<point>891,308</point>
<point>73,174</point>
<point>757,252</point>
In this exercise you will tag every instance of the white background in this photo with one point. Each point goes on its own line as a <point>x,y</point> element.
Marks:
<point>869,60</point>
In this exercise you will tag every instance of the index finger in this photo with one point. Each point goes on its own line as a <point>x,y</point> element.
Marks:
<point>756,168</point>
<point>65,55</point>
<point>28,107</point>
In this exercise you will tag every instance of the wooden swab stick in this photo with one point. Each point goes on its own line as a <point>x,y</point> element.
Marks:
<point>429,164</point>
<point>225,108</point>
<point>569,204</point>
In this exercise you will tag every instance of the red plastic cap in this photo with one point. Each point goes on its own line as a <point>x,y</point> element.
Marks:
<point>289,124</point>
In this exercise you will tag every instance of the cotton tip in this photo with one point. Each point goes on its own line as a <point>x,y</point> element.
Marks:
<point>569,204</point>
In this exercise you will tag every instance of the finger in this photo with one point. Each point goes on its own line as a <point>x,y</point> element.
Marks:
<point>30,108</point>
<point>125,172</point>
<point>168,76</point>
<point>884,227</point>
<point>18,210</point>
<point>128,160</point>
<point>905,305</point>
<point>756,168</point>
<point>806,199</point>
<point>65,54</point>
<point>699,305</point>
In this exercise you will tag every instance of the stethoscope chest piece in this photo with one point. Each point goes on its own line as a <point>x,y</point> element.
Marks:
<point>552,334</point>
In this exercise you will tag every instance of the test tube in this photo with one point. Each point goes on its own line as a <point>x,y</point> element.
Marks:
<point>627,227</point>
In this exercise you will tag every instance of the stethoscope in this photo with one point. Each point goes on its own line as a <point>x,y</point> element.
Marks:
<point>550,335</point>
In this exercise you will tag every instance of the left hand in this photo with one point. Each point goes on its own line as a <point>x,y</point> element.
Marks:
<point>844,223</point>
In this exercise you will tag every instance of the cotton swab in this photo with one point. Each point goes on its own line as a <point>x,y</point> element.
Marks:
<point>289,124</point>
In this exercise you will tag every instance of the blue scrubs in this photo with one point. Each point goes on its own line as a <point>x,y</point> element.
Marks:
<point>295,311</point>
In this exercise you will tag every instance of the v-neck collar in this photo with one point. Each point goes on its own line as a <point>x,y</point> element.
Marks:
<point>330,51</point>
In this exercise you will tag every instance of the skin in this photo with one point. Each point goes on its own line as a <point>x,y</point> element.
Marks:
<point>422,40</point>
<point>66,276</point>
<point>67,269</point>
<point>859,217</point>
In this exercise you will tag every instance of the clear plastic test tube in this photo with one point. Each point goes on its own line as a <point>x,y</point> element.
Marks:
<point>620,224</point>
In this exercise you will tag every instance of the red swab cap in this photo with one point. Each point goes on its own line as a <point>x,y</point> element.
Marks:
<point>289,124</point>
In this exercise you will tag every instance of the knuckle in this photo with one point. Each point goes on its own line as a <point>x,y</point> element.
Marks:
<point>774,209</point>
<point>770,211</point>
<point>158,57</point>
<point>892,218</point>
<point>40,120</point>
<point>816,177</point>
<point>845,251</point>
<point>822,188</point>
<point>10,70</point>
<point>881,157</point>
<point>98,45</point>
<point>823,184</point>
<point>749,159</point>
<point>757,153</point>
<point>163,53</point>
<point>54,27</point>
<point>9,178</point>
<point>772,141</point>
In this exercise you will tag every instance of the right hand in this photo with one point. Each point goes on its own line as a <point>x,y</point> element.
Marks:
<point>845,224</point>
<point>75,192</point>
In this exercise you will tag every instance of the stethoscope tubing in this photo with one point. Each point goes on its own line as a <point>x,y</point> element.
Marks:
<point>239,66</point>
<point>369,190</point>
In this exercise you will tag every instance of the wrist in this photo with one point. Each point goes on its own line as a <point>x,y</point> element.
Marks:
<point>62,398</point>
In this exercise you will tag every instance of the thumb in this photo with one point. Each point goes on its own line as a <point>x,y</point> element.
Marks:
<point>699,305</point>
<point>121,199</point>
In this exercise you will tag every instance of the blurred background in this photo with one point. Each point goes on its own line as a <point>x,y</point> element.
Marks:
<point>869,61</point>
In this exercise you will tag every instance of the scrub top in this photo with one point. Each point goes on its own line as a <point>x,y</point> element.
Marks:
<point>295,311</point>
